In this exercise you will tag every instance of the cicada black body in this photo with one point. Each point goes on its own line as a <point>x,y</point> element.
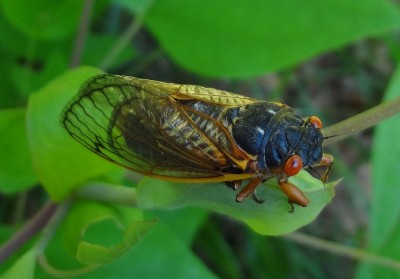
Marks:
<point>189,133</point>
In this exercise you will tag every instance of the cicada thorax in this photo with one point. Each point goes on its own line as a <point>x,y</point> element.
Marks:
<point>274,133</point>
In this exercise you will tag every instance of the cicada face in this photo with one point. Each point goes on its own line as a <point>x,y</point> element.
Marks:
<point>190,133</point>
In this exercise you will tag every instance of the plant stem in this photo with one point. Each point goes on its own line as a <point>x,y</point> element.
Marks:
<point>108,193</point>
<point>361,121</point>
<point>30,229</point>
<point>82,33</point>
<point>332,247</point>
<point>119,46</point>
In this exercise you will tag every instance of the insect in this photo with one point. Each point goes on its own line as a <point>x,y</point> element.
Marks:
<point>189,133</point>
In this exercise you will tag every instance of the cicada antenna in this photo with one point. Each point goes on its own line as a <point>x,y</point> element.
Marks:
<point>336,137</point>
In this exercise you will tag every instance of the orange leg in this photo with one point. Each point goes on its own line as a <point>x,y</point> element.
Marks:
<point>249,189</point>
<point>327,162</point>
<point>294,194</point>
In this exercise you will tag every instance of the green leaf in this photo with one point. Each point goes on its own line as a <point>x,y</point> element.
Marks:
<point>16,170</point>
<point>161,253</point>
<point>12,39</point>
<point>184,222</point>
<point>8,92</point>
<point>61,164</point>
<point>97,233</point>
<point>89,253</point>
<point>384,236</point>
<point>270,218</point>
<point>23,268</point>
<point>246,38</point>
<point>44,19</point>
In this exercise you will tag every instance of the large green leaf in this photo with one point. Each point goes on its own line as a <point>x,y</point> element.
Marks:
<point>61,163</point>
<point>239,38</point>
<point>44,19</point>
<point>271,217</point>
<point>16,170</point>
<point>384,236</point>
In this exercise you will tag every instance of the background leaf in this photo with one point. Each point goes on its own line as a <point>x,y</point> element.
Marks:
<point>61,164</point>
<point>23,268</point>
<point>99,233</point>
<point>16,172</point>
<point>385,209</point>
<point>44,19</point>
<point>241,38</point>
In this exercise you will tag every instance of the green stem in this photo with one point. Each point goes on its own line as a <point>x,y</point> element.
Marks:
<point>82,33</point>
<point>145,61</point>
<point>18,216</point>
<point>108,193</point>
<point>51,226</point>
<point>124,40</point>
<point>361,121</point>
<point>332,247</point>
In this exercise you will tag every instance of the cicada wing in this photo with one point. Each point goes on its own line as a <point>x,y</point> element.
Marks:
<point>137,124</point>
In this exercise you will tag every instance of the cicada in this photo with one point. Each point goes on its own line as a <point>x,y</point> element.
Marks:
<point>189,133</point>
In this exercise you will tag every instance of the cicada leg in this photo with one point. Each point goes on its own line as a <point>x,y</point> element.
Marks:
<point>234,184</point>
<point>327,162</point>
<point>249,189</point>
<point>294,194</point>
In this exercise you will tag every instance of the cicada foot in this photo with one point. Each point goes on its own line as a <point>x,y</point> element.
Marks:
<point>256,198</point>
<point>291,206</point>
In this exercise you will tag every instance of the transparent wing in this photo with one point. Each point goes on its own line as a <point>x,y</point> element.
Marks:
<point>138,124</point>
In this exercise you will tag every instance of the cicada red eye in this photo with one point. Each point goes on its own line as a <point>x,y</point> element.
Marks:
<point>293,165</point>
<point>315,121</point>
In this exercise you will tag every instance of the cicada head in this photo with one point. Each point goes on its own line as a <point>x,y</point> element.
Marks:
<point>294,143</point>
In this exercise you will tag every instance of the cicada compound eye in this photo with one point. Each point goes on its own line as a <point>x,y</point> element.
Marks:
<point>315,121</point>
<point>293,165</point>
